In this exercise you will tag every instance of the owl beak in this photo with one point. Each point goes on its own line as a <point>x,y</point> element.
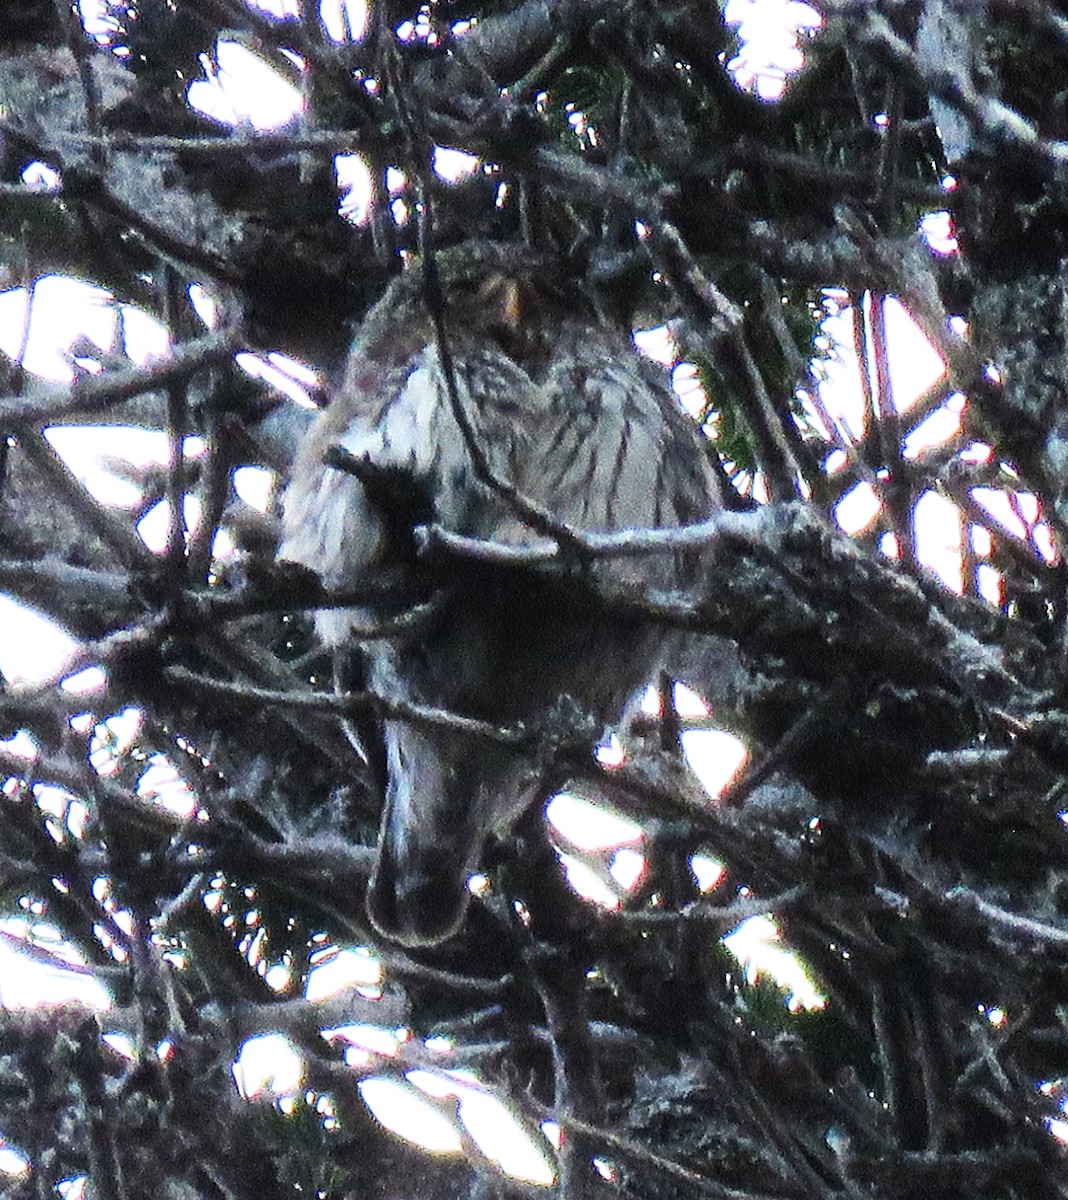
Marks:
<point>511,305</point>
<point>502,302</point>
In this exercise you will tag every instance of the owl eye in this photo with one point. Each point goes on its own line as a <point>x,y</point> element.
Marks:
<point>465,287</point>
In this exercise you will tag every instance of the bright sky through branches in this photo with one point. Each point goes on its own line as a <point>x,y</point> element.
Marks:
<point>238,87</point>
<point>770,32</point>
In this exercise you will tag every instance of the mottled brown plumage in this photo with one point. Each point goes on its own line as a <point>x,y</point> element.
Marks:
<point>567,412</point>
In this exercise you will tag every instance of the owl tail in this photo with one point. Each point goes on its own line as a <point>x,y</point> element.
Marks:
<point>428,845</point>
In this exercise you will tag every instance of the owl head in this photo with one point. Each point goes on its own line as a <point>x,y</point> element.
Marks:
<point>504,293</point>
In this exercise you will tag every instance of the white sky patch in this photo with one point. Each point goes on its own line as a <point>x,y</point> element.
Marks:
<point>143,337</point>
<point>294,368</point>
<point>350,968</point>
<point>27,983</point>
<point>857,508</point>
<point>344,20</point>
<point>708,871</point>
<point>112,738</point>
<point>715,757</point>
<point>657,344</point>
<point>241,88</point>
<point>68,810</point>
<point>254,485</point>
<point>154,526</point>
<point>757,945</point>
<point>1017,512</point>
<point>267,1065</point>
<point>587,882</point>
<point>936,429</point>
<point>938,530</point>
<point>21,745</point>
<point>554,1135</point>
<point>407,30</point>
<point>914,366</point>
<point>937,229</point>
<point>90,450</point>
<point>277,977</point>
<point>122,1044</point>
<point>399,210</point>
<point>82,683</point>
<point>914,363</point>
<point>610,752</point>
<point>355,184</point>
<point>258,368</point>
<point>626,868</point>
<point>204,305</point>
<point>990,584</point>
<point>401,1109</point>
<point>487,1120</point>
<point>63,310</point>
<point>374,1039</point>
<point>492,1125</point>
<point>686,384</point>
<point>1044,542</point>
<point>40,177</point>
<point>589,825</point>
<point>33,648</point>
<point>162,783</point>
<point>95,17</point>
<point>687,702</point>
<point>839,383</point>
<point>452,164</point>
<point>12,1161</point>
<point>769,31</point>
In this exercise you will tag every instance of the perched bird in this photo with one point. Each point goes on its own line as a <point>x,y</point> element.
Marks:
<point>565,411</point>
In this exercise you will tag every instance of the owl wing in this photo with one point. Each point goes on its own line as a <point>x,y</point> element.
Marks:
<point>400,420</point>
<point>442,793</point>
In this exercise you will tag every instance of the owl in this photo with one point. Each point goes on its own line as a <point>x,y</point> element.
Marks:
<point>567,413</point>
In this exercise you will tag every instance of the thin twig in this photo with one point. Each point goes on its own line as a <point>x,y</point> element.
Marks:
<point>49,404</point>
<point>346,702</point>
<point>627,543</point>
<point>641,1156</point>
<point>720,916</point>
<point>1022,926</point>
